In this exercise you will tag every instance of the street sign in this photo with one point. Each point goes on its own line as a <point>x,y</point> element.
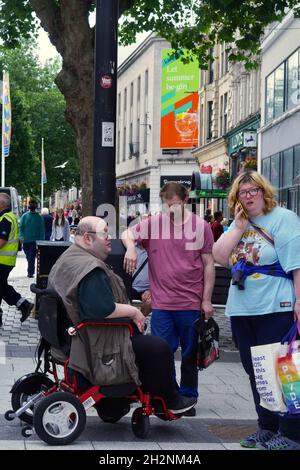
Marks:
<point>208,193</point>
<point>107,134</point>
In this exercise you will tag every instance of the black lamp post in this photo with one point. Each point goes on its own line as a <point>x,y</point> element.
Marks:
<point>106,43</point>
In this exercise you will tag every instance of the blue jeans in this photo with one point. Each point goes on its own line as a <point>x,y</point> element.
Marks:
<point>177,327</point>
<point>256,330</point>
<point>29,249</point>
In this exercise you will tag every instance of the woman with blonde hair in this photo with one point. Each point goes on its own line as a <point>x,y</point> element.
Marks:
<point>262,248</point>
<point>60,227</point>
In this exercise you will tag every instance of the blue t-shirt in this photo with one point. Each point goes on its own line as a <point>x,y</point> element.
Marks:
<point>264,293</point>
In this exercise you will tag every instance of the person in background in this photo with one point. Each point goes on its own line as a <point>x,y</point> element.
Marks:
<point>181,273</point>
<point>224,223</point>
<point>48,222</point>
<point>262,247</point>
<point>208,216</point>
<point>9,241</point>
<point>216,226</point>
<point>60,227</point>
<point>140,281</point>
<point>32,228</point>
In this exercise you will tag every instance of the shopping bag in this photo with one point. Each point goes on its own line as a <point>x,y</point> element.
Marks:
<point>208,342</point>
<point>264,359</point>
<point>288,369</point>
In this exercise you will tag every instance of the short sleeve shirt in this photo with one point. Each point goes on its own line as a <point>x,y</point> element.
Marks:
<point>175,263</point>
<point>264,293</point>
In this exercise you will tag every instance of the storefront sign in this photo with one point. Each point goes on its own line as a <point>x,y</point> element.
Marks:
<point>141,197</point>
<point>179,102</point>
<point>184,180</point>
<point>250,139</point>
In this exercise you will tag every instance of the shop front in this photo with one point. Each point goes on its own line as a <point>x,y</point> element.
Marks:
<point>242,147</point>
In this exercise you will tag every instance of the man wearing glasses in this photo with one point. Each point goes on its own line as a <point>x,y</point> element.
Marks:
<point>91,292</point>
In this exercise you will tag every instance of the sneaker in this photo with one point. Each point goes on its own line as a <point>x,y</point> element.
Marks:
<point>30,275</point>
<point>279,442</point>
<point>260,436</point>
<point>25,309</point>
<point>183,404</point>
<point>191,412</point>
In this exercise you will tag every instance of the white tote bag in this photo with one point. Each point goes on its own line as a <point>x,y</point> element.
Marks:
<point>264,359</point>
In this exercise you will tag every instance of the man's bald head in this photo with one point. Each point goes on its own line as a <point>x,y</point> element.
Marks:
<point>92,235</point>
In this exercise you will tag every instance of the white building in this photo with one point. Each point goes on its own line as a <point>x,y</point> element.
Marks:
<point>139,156</point>
<point>279,136</point>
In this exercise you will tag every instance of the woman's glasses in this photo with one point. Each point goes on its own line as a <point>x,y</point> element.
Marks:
<point>252,192</point>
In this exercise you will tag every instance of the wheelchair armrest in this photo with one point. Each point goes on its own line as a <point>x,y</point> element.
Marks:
<point>106,322</point>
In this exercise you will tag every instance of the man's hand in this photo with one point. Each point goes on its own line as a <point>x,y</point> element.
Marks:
<point>130,258</point>
<point>297,312</point>
<point>139,319</point>
<point>146,297</point>
<point>207,309</point>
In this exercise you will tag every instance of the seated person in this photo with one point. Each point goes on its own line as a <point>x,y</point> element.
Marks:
<point>91,292</point>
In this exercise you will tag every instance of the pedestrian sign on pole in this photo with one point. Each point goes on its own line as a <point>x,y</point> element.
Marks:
<point>107,134</point>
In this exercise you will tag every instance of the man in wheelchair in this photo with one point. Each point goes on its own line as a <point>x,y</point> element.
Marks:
<point>91,292</point>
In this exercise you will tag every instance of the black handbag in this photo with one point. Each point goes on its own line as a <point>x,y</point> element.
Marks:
<point>208,342</point>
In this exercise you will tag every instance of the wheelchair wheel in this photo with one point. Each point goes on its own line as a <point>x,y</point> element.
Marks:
<point>140,423</point>
<point>111,410</point>
<point>59,418</point>
<point>25,390</point>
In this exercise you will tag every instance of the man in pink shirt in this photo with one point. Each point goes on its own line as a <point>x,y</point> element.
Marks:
<point>181,274</point>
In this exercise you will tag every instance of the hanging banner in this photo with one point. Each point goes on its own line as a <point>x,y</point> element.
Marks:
<point>6,115</point>
<point>179,102</point>
<point>44,176</point>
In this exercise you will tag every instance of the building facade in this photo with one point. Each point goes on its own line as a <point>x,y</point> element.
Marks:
<point>229,110</point>
<point>279,135</point>
<point>141,162</point>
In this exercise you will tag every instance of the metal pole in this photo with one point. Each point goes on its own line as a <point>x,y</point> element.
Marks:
<point>2,139</point>
<point>42,175</point>
<point>106,44</point>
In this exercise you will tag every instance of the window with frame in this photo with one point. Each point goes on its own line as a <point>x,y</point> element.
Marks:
<point>119,104</point>
<point>118,147</point>
<point>209,119</point>
<point>266,166</point>
<point>270,97</point>
<point>124,144</point>
<point>131,94</point>
<point>279,91</point>
<point>287,167</point>
<point>293,80</point>
<point>125,99</point>
<point>275,170</point>
<point>296,161</point>
<point>139,88</point>
<point>211,67</point>
<point>225,113</point>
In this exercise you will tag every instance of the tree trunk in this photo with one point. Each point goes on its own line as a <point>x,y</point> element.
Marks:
<point>69,31</point>
<point>67,25</point>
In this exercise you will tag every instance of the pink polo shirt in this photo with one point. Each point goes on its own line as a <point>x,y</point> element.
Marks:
<point>175,264</point>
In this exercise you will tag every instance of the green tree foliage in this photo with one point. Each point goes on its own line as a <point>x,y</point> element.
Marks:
<point>37,111</point>
<point>196,25</point>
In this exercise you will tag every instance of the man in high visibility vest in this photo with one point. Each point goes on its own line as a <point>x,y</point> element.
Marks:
<point>9,241</point>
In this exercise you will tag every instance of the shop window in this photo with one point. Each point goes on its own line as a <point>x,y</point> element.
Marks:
<point>287,168</point>
<point>266,166</point>
<point>296,161</point>
<point>292,81</point>
<point>275,170</point>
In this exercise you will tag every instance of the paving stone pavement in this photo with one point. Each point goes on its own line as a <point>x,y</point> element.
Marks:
<point>225,411</point>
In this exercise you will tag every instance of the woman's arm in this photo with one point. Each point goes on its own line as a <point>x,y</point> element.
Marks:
<point>296,276</point>
<point>223,248</point>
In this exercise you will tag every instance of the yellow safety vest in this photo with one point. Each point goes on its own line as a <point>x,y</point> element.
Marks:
<point>8,253</point>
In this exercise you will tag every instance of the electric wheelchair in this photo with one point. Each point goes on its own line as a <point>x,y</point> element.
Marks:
<point>53,400</point>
